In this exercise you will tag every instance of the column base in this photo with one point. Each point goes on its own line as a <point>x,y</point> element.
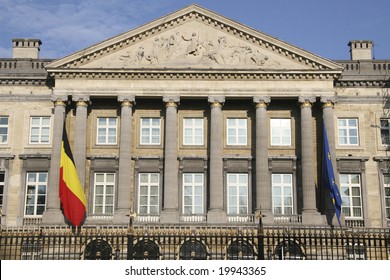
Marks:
<point>53,217</point>
<point>267,217</point>
<point>121,217</point>
<point>216,216</point>
<point>170,216</point>
<point>313,217</point>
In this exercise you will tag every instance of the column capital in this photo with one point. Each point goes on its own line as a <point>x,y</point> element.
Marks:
<point>216,101</point>
<point>126,100</point>
<point>171,101</point>
<point>81,100</point>
<point>306,101</point>
<point>261,101</point>
<point>328,101</point>
<point>59,100</point>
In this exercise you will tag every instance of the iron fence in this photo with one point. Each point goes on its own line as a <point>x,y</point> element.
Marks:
<point>168,243</point>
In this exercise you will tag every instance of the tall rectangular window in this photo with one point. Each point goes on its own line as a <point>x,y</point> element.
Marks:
<point>282,194</point>
<point>385,131</point>
<point>36,189</point>
<point>106,131</point>
<point>348,131</point>
<point>3,130</point>
<point>351,195</point>
<point>193,193</point>
<point>280,132</point>
<point>150,131</point>
<point>237,191</point>
<point>148,195</point>
<point>387,195</point>
<point>2,178</point>
<point>39,130</point>
<point>236,131</point>
<point>193,131</point>
<point>104,193</point>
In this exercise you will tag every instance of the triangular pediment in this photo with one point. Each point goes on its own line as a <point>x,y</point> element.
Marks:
<point>193,38</point>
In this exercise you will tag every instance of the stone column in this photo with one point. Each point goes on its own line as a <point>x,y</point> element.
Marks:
<point>310,214</point>
<point>123,207</point>
<point>216,213</point>
<point>328,121</point>
<point>170,212</point>
<point>263,181</point>
<point>80,136</point>
<point>53,214</point>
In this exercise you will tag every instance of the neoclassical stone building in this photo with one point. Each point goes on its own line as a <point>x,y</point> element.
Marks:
<point>195,119</point>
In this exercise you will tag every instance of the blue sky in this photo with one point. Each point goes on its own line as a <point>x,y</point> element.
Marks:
<point>323,27</point>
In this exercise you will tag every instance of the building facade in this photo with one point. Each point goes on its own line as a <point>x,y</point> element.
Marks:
<point>195,120</point>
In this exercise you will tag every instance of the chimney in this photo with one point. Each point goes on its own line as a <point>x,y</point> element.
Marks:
<point>25,48</point>
<point>360,49</point>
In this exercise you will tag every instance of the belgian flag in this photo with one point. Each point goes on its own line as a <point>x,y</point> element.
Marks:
<point>71,192</point>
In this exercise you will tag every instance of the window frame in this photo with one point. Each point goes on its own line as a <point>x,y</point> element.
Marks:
<point>149,185</point>
<point>36,185</point>
<point>193,185</point>
<point>282,195</point>
<point>40,128</point>
<point>193,128</point>
<point>348,129</point>
<point>105,195</point>
<point>350,196</point>
<point>236,127</point>
<point>150,128</point>
<point>236,194</point>
<point>387,128</point>
<point>106,128</point>
<point>280,135</point>
<point>386,196</point>
<point>7,130</point>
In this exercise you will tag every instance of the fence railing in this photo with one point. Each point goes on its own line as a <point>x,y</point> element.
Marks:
<point>178,242</point>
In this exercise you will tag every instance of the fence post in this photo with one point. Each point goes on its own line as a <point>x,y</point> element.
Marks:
<point>130,237</point>
<point>260,237</point>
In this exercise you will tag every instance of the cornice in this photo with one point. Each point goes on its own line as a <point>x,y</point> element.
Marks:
<point>363,83</point>
<point>23,81</point>
<point>194,74</point>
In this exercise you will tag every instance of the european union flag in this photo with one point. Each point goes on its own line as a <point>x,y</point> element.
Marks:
<point>328,179</point>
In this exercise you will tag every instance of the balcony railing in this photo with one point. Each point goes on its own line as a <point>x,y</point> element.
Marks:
<point>288,219</point>
<point>354,222</point>
<point>193,218</point>
<point>147,218</point>
<point>32,221</point>
<point>250,218</point>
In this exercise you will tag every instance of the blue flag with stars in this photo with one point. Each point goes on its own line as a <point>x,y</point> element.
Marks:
<point>328,179</point>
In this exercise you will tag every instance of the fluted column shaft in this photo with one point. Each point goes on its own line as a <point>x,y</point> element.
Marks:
<point>307,156</point>
<point>263,182</point>
<point>80,136</point>
<point>216,210</point>
<point>53,214</point>
<point>171,172</point>
<point>124,183</point>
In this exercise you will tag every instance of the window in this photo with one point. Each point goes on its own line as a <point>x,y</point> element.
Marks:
<point>348,132</point>
<point>385,132</point>
<point>106,131</point>
<point>192,193</point>
<point>36,187</point>
<point>40,130</point>
<point>387,194</point>
<point>148,198</point>
<point>236,131</point>
<point>282,194</point>
<point>104,192</point>
<point>150,131</point>
<point>193,131</point>
<point>237,185</point>
<point>351,195</point>
<point>2,177</point>
<point>3,130</point>
<point>280,132</point>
